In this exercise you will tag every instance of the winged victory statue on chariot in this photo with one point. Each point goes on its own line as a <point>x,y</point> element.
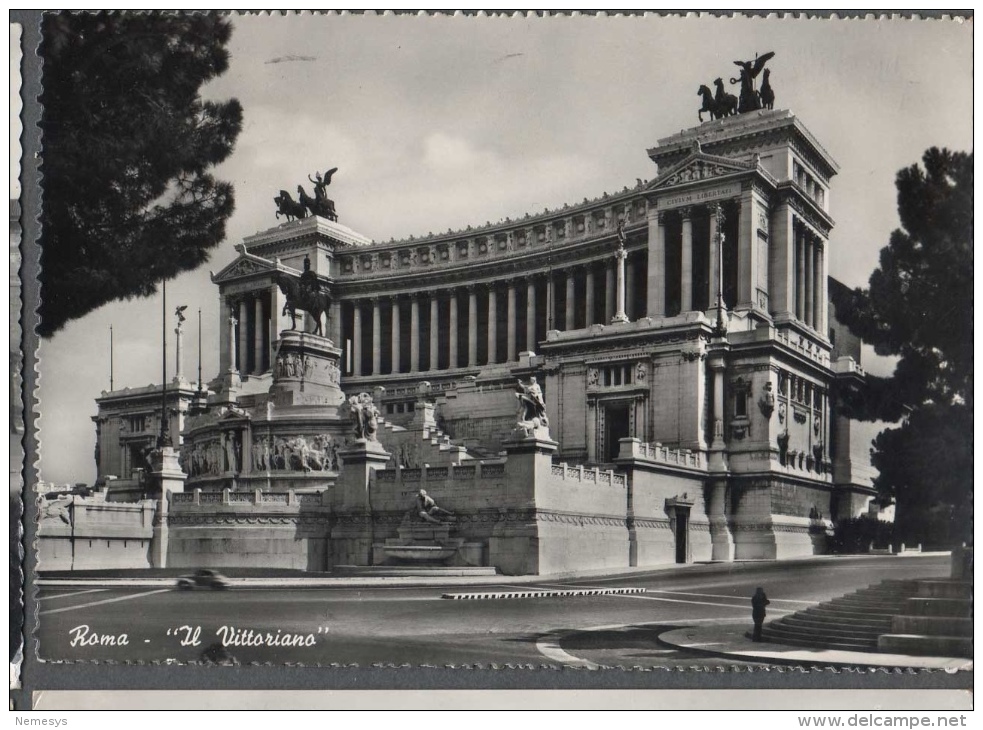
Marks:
<point>320,204</point>
<point>721,104</point>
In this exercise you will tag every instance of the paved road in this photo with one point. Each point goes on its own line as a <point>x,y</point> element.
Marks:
<point>414,626</point>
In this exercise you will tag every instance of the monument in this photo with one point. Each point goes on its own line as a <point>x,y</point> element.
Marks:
<point>640,378</point>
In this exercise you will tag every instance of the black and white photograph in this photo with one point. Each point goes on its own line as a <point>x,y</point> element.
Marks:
<point>584,341</point>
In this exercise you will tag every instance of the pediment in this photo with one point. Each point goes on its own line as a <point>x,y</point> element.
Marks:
<point>700,166</point>
<point>245,265</point>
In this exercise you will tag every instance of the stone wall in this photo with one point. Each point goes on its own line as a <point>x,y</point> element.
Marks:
<point>248,529</point>
<point>80,533</point>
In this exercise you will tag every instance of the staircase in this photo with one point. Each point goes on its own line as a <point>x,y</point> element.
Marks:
<point>921,617</point>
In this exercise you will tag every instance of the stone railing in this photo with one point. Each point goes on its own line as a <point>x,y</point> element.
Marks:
<point>474,470</point>
<point>592,219</point>
<point>632,448</point>
<point>581,473</point>
<point>803,346</point>
<point>198,498</point>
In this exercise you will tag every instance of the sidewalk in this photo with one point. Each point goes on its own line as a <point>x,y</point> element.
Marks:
<point>301,580</point>
<point>731,641</point>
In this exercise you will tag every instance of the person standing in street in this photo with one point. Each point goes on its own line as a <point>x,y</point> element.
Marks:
<point>758,602</point>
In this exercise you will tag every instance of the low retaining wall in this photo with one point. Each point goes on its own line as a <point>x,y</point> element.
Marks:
<point>79,533</point>
<point>248,529</point>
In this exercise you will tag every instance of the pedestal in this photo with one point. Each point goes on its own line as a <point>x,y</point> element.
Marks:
<point>351,502</point>
<point>169,479</point>
<point>306,372</point>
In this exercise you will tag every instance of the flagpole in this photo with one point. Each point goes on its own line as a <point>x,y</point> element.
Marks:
<point>110,358</point>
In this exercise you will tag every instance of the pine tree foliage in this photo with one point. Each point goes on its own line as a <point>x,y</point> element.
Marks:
<point>128,142</point>
<point>918,307</point>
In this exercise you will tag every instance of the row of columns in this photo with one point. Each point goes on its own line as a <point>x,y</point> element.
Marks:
<point>811,288</point>
<point>659,271</point>
<point>249,314</point>
<point>619,293</point>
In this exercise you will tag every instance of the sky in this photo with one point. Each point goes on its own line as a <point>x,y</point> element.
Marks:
<point>438,123</point>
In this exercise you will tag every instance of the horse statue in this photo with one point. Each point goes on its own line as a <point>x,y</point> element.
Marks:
<point>323,207</point>
<point>289,207</point>
<point>709,105</point>
<point>307,298</point>
<point>767,93</point>
<point>726,103</point>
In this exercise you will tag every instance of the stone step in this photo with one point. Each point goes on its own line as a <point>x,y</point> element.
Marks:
<point>849,614</point>
<point>918,645</point>
<point>779,636</point>
<point>865,607</point>
<point>834,621</point>
<point>942,588</point>
<point>819,624</point>
<point>956,607</point>
<point>867,603</point>
<point>828,631</point>
<point>932,625</point>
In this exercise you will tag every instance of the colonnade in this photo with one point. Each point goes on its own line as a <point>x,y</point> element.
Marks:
<point>249,318</point>
<point>811,287</point>
<point>477,324</point>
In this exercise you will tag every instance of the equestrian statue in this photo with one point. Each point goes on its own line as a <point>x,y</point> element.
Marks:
<point>304,294</point>
<point>722,104</point>
<point>750,99</point>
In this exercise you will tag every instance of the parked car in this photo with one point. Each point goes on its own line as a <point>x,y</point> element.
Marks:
<point>203,579</point>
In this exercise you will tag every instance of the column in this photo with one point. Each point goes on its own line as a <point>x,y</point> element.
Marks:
<point>619,315</point>
<point>492,325</point>
<point>530,314</point>
<point>630,308</point>
<point>747,253</point>
<point>657,264</point>
<point>258,327</point>
<point>551,301</point>
<point>395,344</point>
<point>510,317</point>
<point>570,318</point>
<point>800,279</point>
<point>818,304</point>
<point>822,314</point>
<point>356,337</point>
<point>452,344</point>
<point>434,331</point>
<point>781,261</point>
<point>686,269</point>
<point>609,291</point>
<point>717,368</point>
<point>810,290</point>
<point>472,326</point>
<point>232,341</point>
<point>376,337</point>
<point>713,275</point>
<point>589,297</point>
<point>243,332</point>
<point>178,353</point>
<point>415,333</point>
<point>334,322</point>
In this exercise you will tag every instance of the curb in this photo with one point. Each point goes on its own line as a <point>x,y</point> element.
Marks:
<point>542,594</point>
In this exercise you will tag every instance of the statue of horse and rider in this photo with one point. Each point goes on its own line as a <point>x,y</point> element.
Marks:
<point>320,204</point>
<point>724,105</point>
<point>304,294</point>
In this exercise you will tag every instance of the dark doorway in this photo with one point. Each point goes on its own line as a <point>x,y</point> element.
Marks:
<point>616,428</point>
<point>682,533</point>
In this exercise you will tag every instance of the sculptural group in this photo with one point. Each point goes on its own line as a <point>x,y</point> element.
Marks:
<point>721,104</point>
<point>320,204</point>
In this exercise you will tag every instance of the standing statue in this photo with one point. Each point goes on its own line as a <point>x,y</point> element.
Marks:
<point>304,294</point>
<point>532,407</point>
<point>750,100</point>
<point>364,417</point>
